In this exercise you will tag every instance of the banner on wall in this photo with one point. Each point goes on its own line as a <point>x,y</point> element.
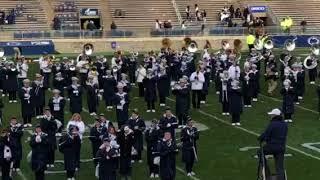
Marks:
<point>28,47</point>
<point>301,40</point>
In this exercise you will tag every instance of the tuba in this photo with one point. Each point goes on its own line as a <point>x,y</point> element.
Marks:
<point>311,61</point>
<point>88,49</point>
<point>1,52</point>
<point>290,44</point>
<point>190,45</point>
<point>268,44</point>
<point>258,44</point>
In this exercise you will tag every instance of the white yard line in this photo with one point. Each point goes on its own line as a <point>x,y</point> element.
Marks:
<point>298,106</point>
<point>252,132</point>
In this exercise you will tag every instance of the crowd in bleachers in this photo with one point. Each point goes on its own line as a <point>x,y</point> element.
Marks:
<point>9,16</point>
<point>196,14</point>
<point>66,17</point>
<point>65,7</point>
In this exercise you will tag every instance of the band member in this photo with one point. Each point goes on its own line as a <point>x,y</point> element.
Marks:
<point>109,86</point>
<point>49,126</point>
<point>26,94</point>
<point>45,71</point>
<point>298,81</point>
<point>22,68</point>
<point>168,122</point>
<point>59,83</point>
<point>182,93</point>
<point>150,93</point>
<point>247,85</point>
<point>313,72</point>
<point>234,69</point>
<point>125,139</point>
<point>6,155</point>
<point>152,136</point>
<point>122,105</point>
<point>189,137</point>
<point>288,100</point>
<point>105,122</point>
<point>167,149</point>
<point>56,105</point>
<point>141,73</point>
<point>16,134</point>
<point>39,149</point>
<point>255,82</point>
<point>197,80</point>
<point>107,156</point>
<point>235,102</point>
<point>125,83</point>
<point>102,66</point>
<point>75,96</point>
<point>68,145</point>
<point>92,95</point>
<point>137,124</point>
<point>77,121</point>
<point>163,86</point>
<point>132,66</point>
<point>97,133</point>
<point>38,99</point>
<point>224,92</point>
<point>275,137</point>
<point>271,74</point>
<point>11,83</point>
<point>83,67</point>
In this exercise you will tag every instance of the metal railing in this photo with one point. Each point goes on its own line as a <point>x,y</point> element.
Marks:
<point>174,32</point>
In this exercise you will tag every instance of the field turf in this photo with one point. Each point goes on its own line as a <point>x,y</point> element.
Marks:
<point>219,154</point>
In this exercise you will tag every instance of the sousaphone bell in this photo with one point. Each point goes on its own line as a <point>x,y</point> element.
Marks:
<point>88,49</point>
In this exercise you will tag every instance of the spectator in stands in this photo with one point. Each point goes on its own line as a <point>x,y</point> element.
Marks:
<point>167,24</point>
<point>113,26</point>
<point>258,22</point>
<point>56,23</point>
<point>183,26</point>
<point>246,13</point>
<point>11,18</point>
<point>188,11</point>
<point>91,26</point>
<point>204,15</point>
<point>231,10</point>
<point>238,13</point>
<point>157,24</point>
<point>303,25</point>
<point>196,9</point>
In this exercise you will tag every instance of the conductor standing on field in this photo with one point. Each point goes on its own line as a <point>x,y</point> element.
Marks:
<point>275,137</point>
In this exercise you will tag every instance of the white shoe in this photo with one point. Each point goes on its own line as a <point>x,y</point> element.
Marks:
<point>189,174</point>
<point>15,101</point>
<point>224,114</point>
<point>18,169</point>
<point>297,103</point>
<point>140,161</point>
<point>52,165</point>
<point>132,161</point>
<point>77,169</point>
<point>151,175</point>
<point>254,99</point>
<point>48,165</point>
<point>202,102</point>
<point>153,110</point>
<point>29,125</point>
<point>156,175</point>
<point>192,173</point>
<point>233,124</point>
<point>58,134</point>
<point>227,114</point>
<point>13,169</point>
<point>148,110</point>
<point>218,92</point>
<point>3,95</point>
<point>285,120</point>
<point>238,124</point>
<point>312,82</point>
<point>73,178</point>
<point>69,179</point>
<point>25,125</point>
<point>10,101</point>
<point>300,97</point>
<point>290,120</point>
<point>249,106</point>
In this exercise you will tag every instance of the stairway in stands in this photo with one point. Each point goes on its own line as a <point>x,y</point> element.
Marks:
<point>33,8</point>
<point>142,13</point>
<point>296,9</point>
<point>212,7</point>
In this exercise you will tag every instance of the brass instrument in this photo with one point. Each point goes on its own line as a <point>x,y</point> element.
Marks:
<point>190,45</point>
<point>2,52</point>
<point>311,61</point>
<point>88,49</point>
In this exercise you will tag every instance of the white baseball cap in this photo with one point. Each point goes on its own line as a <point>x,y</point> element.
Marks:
<point>276,112</point>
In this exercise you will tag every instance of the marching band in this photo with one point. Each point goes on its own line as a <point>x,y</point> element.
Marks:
<point>157,76</point>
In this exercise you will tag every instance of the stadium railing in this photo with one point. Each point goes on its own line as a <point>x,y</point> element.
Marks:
<point>191,31</point>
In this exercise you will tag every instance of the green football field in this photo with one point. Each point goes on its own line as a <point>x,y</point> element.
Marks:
<point>225,152</point>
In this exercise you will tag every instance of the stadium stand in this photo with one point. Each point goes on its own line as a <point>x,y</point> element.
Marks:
<point>308,9</point>
<point>141,13</point>
<point>32,15</point>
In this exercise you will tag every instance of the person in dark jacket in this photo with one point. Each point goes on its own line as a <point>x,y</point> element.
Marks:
<point>92,95</point>
<point>275,137</point>
<point>255,82</point>
<point>26,94</point>
<point>152,136</point>
<point>167,149</point>
<point>59,83</point>
<point>6,154</point>
<point>224,92</point>
<point>189,137</point>
<point>182,93</point>
<point>132,66</point>
<point>288,100</point>
<point>125,139</point>
<point>150,92</point>
<point>75,96</point>
<point>235,102</point>
<point>137,124</point>
<point>102,66</point>
<point>107,157</point>
<point>122,105</point>
<point>68,145</point>
<point>39,156</point>
<point>168,123</point>
<point>163,86</point>
<point>38,99</point>
<point>298,82</point>
<point>96,134</point>
<point>50,127</point>
<point>246,78</point>
<point>16,134</point>
<point>109,87</point>
<point>11,83</point>
<point>56,105</point>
